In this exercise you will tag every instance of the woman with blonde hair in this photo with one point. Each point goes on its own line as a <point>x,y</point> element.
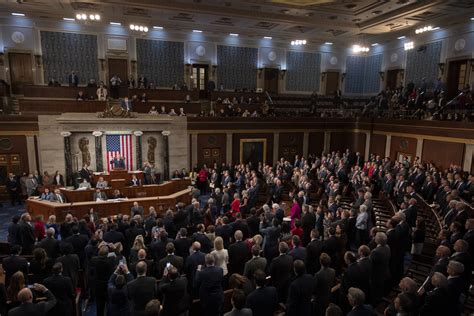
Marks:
<point>51,223</point>
<point>138,244</point>
<point>221,254</point>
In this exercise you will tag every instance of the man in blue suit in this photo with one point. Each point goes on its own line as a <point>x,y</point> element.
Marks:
<point>127,104</point>
<point>209,282</point>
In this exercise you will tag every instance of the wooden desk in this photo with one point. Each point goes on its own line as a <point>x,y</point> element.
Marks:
<point>231,94</point>
<point>164,94</point>
<point>116,174</point>
<point>106,208</point>
<point>189,108</point>
<point>150,190</point>
<point>56,92</point>
<point>40,106</point>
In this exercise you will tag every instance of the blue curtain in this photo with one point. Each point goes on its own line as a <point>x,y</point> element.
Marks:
<point>362,74</point>
<point>237,67</point>
<point>303,71</point>
<point>423,64</point>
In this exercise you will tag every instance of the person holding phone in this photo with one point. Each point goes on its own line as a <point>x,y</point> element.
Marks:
<point>27,307</point>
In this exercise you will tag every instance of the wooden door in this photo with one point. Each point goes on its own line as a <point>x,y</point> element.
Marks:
<point>457,77</point>
<point>200,78</point>
<point>392,79</point>
<point>211,156</point>
<point>271,80</point>
<point>289,152</point>
<point>21,71</point>
<point>118,67</point>
<point>8,163</point>
<point>332,82</point>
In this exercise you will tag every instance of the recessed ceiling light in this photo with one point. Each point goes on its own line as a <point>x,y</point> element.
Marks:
<point>97,17</point>
<point>197,31</point>
<point>115,23</point>
<point>18,14</point>
<point>375,44</point>
<point>234,34</point>
<point>158,27</point>
<point>436,28</point>
<point>328,43</point>
<point>267,37</point>
<point>401,37</point>
<point>84,16</point>
<point>472,19</point>
<point>69,19</point>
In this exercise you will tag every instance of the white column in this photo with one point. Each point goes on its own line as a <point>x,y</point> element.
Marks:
<point>367,145</point>
<point>194,150</point>
<point>305,144</point>
<point>468,152</point>
<point>419,147</point>
<point>228,148</point>
<point>388,144</point>
<point>276,144</point>
<point>30,147</point>
<point>327,141</point>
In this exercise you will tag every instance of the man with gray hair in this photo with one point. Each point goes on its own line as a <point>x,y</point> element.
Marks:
<point>437,301</point>
<point>361,225</point>
<point>49,244</point>
<point>356,298</point>
<point>238,254</point>
<point>380,257</point>
<point>457,284</point>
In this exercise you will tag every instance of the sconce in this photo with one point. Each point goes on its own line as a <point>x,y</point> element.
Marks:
<point>382,75</point>
<point>188,69</point>
<point>323,75</point>
<point>38,61</point>
<point>214,69</point>
<point>282,73</point>
<point>343,76</point>
<point>102,64</point>
<point>259,72</point>
<point>133,66</point>
<point>441,68</point>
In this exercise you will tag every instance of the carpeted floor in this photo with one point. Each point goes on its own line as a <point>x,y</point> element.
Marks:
<point>7,211</point>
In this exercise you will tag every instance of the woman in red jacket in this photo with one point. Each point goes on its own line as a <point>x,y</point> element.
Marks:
<point>202,180</point>
<point>235,205</point>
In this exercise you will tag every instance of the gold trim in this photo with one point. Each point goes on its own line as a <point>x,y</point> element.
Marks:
<point>253,140</point>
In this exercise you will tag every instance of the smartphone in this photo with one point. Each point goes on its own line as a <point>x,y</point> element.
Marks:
<point>31,286</point>
<point>168,265</point>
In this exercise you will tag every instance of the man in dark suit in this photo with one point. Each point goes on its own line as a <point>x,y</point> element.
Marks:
<point>225,231</point>
<point>70,261</point>
<point>194,260</point>
<point>365,268</point>
<point>79,243</point>
<point>324,281</point>
<point>28,308</point>
<point>356,298</point>
<point>141,255</point>
<point>113,236</point>
<point>27,235</point>
<point>49,244</point>
<point>442,260</point>
<point>170,259</point>
<point>298,252</point>
<point>461,255</point>
<point>264,300</point>
<point>457,284</point>
<point>13,187</point>
<point>14,263</point>
<point>437,301</point>
<point>99,195</point>
<point>173,287</point>
<point>428,190</point>
<point>333,247</point>
<point>254,264</point>
<point>277,192</point>
<point>281,269</point>
<point>73,79</point>
<point>14,231</point>
<point>141,290</point>
<point>101,268</point>
<point>411,212</point>
<point>238,254</point>
<point>313,252</point>
<point>300,292</point>
<point>62,289</point>
<point>308,222</point>
<point>209,282</point>
<point>137,209</point>
<point>59,197</point>
<point>380,258</point>
<point>206,245</point>
<point>182,243</point>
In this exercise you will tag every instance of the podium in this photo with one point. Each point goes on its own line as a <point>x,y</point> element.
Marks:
<point>116,174</point>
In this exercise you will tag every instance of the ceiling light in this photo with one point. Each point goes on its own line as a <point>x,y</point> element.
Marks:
<point>425,29</point>
<point>375,44</point>
<point>145,29</point>
<point>78,16</point>
<point>115,23</point>
<point>268,37</point>
<point>69,19</point>
<point>234,34</point>
<point>132,27</point>
<point>360,49</point>
<point>401,37</point>
<point>409,45</point>
<point>18,14</point>
<point>92,17</point>
<point>472,19</point>
<point>97,17</point>
<point>435,28</point>
<point>298,42</point>
<point>328,43</point>
<point>197,31</point>
<point>84,16</point>
<point>141,28</point>
<point>158,27</point>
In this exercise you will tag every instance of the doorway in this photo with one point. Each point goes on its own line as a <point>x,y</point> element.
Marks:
<point>271,80</point>
<point>200,78</point>
<point>118,67</point>
<point>21,71</point>
<point>211,156</point>
<point>393,79</point>
<point>332,82</point>
<point>457,77</point>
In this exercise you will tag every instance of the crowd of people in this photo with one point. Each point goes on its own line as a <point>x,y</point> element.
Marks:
<point>282,237</point>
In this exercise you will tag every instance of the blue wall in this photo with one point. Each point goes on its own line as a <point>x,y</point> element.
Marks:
<point>362,74</point>
<point>161,61</point>
<point>237,67</point>
<point>63,52</point>
<point>423,64</point>
<point>303,71</point>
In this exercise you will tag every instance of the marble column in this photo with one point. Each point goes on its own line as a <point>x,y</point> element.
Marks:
<point>276,145</point>
<point>388,144</point>
<point>99,165</point>
<point>67,157</point>
<point>367,145</point>
<point>194,151</point>
<point>419,147</point>
<point>30,147</point>
<point>138,135</point>
<point>228,148</point>
<point>166,167</point>
<point>305,144</point>
<point>327,142</point>
<point>468,153</point>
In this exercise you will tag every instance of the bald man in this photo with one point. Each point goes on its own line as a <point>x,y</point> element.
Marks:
<point>28,308</point>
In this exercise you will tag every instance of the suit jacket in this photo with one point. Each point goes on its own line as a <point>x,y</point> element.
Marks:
<point>136,182</point>
<point>380,258</point>
<point>71,266</point>
<point>12,264</point>
<point>263,301</point>
<point>298,253</point>
<point>281,269</point>
<point>99,196</point>
<point>324,281</point>
<point>365,267</point>
<point>192,262</point>
<point>351,278</point>
<point>137,210</point>
<point>313,251</point>
<point>411,213</point>
<point>436,303</point>
<point>27,237</point>
<point>13,184</point>
<point>62,289</point>
<point>299,296</point>
<point>79,243</point>
<point>308,222</point>
<point>39,309</point>
<point>61,180</point>
<point>140,291</point>
<point>175,296</point>
<point>182,246</point>
<point>238,256</point>
<point>31,185</point>
<point>176,261</point>
<point>254,264</point>
<point>59,197</point>
<point>209,283</point>
<point>51,246</point>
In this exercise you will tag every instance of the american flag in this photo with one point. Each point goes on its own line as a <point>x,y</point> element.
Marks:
<point>119,145</point>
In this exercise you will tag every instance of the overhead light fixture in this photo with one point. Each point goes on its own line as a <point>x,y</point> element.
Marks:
<point>158,27</point>
<point>298,42</point>
<point>97,17</point>
<point>268,37</point>
<point>197,31</point>
<point>401,37</point>
<point>424,29</point>
<point>69,19</point>
<point>85,17</point>
<point>92,17</point>
<point>360,49</point>
<point>140,28</point>
<point>234,34</point>
<point>409,45</point>
<point>115,23</point>
<point>472,19</point>
<point>375,44</point>
<point>328,43</point>
<point>435,28</point>
<point>18,14</point>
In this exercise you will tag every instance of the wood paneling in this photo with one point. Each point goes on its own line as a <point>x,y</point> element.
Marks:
<point>211,148</point>
<point>229,94</point>
<point>165,94</point>
<point>332,82</point>
<point>289,145</point>
<point>377,144</point>
<point>21,71</point>
<point>343,140</point>
<point>16,145</point>
<point>271,80</point>
<point>118,67</point>
<point>316,143</point>
<point>443,154</point>
<point>236,145</point>
<point>403,145</point>
<point>30,106</point>
<point>33,91</point>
